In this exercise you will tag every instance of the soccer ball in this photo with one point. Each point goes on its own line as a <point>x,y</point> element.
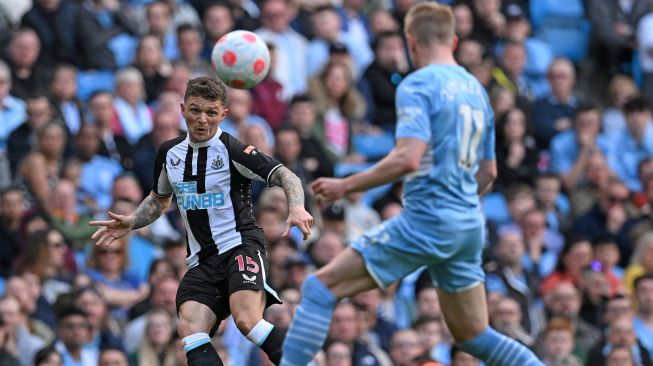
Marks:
<point>241,59</point>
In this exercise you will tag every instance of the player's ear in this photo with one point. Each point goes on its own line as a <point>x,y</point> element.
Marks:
<point>411,42</point>
<point>455,42</point>
<point>183,107</point>
<point>224,113</point>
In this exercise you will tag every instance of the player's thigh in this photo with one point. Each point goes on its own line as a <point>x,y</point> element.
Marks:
<point>465,312</point>
<point>195,317</point>
<point>346,275</point>
<point>386,253</point>
<point>459,264</point>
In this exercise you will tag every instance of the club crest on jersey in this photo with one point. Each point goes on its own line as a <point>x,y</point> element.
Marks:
<point>250,150</point>
<point>217,163</point>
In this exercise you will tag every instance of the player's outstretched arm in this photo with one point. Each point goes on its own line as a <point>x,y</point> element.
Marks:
<point>403,159</point>
<point>147,212</point>
<point>292,186</point>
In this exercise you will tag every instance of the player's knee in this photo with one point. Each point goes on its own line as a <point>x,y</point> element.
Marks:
<point>467,331</point>
<point>246,321</point>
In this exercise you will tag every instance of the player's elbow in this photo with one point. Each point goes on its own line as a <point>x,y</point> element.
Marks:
<point>409,165</point>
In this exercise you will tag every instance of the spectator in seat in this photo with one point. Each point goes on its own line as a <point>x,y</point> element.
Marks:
<point>28,76</point>
<point>65,218</point>
<point>338,354</point>
<point>340,104</point>
<point>12,211</point>
<point>165,127</point>
<point>553,113</point>
<point>517,155</point>
<point>239,103</point>
<point>643,320</point>
<point>74,331</point>
<point>156,348</point>
<point>489,22</point>
<point>267,99</point>
<point>103,328</point>
<point>21,140</point>
<point>189,41</point>
<point>621,333</point>
<point>621,89</point>
<point>558,340</point>
<point>153,65</point>
<point>291,70</point>
<point>12,113</point>
<point>464,20</point>
<point>510,72</point>
<point>39,171</point>
<point>564,301</point>
<point>506,318</point>
<point>345,328</point>
<point>381,20</point>
<point>302,115</point>
<point>134,116</point>
<point>218,20</point>
<point>25,344</point>
<point>381,78</point>
<point>596,176</point>
<point>158,16</point>
<point>405,348</point>
<point>113,357</point>
<point>103,115</point>
<point>633,144</point>
<point>575,257</point>
<point>63,90</point>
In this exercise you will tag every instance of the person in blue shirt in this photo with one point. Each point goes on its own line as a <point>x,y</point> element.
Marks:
<point>643,320</point>
<point>633,144</point>
<point>445,150</point>
<point>572,149</point>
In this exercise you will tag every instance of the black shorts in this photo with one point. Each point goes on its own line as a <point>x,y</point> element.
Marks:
<point>217,277</point>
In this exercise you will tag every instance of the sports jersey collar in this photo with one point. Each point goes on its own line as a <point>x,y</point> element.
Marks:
<point>205,143</point>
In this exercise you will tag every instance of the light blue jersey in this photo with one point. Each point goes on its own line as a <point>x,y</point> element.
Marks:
<point>446,107</point>
<point>441,226</point>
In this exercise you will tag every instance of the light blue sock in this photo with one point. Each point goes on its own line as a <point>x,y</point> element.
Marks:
<point>310,324</point>
<point>495,349</point>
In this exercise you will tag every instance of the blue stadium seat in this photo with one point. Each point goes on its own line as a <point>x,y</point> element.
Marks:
<point>542,10</point>
<point>372,145</point>
<point>89,82</point>
<point>495,208</point>
<point>567,37</point>
<point>123,46</point>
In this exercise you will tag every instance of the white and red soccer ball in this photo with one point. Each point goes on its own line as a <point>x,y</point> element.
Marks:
<point>241,59</point>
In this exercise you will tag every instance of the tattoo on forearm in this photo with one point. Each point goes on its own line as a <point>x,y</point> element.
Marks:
<point>291,185</point>
<point>148,211</point>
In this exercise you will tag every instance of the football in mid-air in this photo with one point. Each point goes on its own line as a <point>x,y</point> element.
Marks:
<point>241,59</point>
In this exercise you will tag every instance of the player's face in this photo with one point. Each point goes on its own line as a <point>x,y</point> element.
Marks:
<point>202,117</point>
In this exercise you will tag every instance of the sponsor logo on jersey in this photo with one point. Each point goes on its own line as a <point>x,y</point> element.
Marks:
<point>173,163</point>
<point>249,279</point>
<point>217,163</point>
<point>189,199</point>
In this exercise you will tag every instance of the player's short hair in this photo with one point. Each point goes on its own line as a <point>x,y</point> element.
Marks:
<point>207,88</point>
<point>429,23</point>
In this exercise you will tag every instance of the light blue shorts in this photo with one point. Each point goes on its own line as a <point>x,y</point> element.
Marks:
<point>396,248</point>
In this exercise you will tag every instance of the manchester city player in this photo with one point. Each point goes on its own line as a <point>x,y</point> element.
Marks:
<point>445,152</point>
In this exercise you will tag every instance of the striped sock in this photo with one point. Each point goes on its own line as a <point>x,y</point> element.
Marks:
<point>495,349</point>
<point>310,324</point>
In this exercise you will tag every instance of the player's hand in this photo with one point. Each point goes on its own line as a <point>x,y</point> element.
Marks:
<point>331,189</point>
<point>111,230</point>
<point>297,216</point>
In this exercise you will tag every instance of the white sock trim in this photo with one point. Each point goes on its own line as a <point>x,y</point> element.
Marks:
<point>260,332</point>
<point>195,340</point>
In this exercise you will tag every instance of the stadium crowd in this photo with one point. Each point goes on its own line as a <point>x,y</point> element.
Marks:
<point>89,89</point>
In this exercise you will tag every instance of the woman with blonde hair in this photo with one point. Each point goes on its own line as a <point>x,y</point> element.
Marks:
<point>641,262</point>
<point>157,347</point>
<point>340,105</point>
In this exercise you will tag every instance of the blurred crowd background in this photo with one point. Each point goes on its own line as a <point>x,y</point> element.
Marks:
<point>90,89</point>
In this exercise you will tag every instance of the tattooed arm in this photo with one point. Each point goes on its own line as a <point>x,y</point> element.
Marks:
<point>147,212</point>
<point>292,186</point>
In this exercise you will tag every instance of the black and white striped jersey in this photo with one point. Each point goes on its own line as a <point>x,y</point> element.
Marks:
<point>212,184</point>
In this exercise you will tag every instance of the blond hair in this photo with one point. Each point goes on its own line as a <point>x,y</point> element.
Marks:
<point>429,23</point>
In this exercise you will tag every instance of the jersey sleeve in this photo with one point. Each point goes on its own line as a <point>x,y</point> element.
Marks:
<point>488,149</point>
<point>250,161</point>
<point>412,112</point>
<point>161,185</point>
